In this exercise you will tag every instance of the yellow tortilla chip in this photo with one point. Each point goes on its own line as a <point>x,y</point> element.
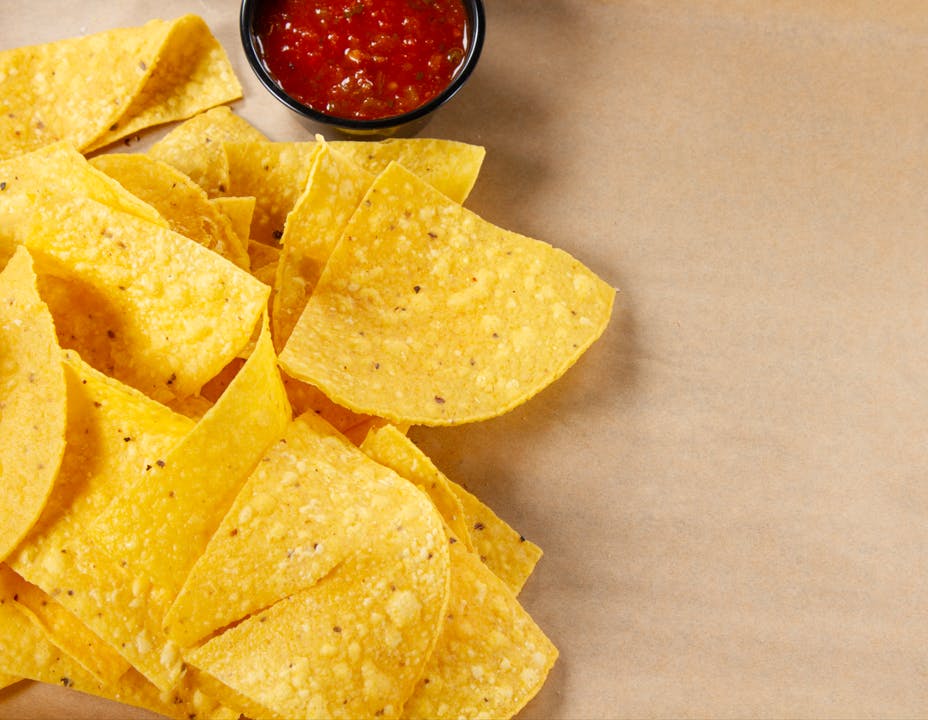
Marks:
<point>334,189</point>
<point>243,706</point>
<point>192,73</point>
<point>33,402</point>
<point>309,504</point>
<point>63,629</point>
<point>163,521</point>
<point>115,83</point>
<point>113,433</point>
<point>173,329</point>
<point>27,653</point>
<point>240,211</point>
<point>7,680</point>
<point>26,649</point>
<point>52,174</point>
<point>195,147</point>
<point>428,314</point>
<point>447,165</point>
<point>306,398</point>
<point>274,173</point>
<point>178,199</point>
<point>262,255</point>
<point>506,552</point>
<point>491,657</point>
<point>388,446</point>
<point>353,644</point>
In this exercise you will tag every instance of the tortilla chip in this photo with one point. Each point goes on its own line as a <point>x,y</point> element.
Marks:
<point>449,166</point>
<point>274,173</point>
<point>388,446</point>
<point>52,174</point>
<point>195,147</point>
<point>427,314</point>
<point>491,657</point>
<point>32,385</point>
<point>334,189</point>
<point>30,655</point>
<point>506,552</point>
<point>178,199</point>
<point>26,652</point>
<point>7,680</point>
<point>192,74</point>
<point>63,629</point>
<point>115,83</point>
<point>243,706</point>
<point>173,329</point>
<point>353,644</point>
<point>262,255</point>
<point>162,522</point>
<point>240,211</point>
<point>113,433</point>
<point>311,502</point>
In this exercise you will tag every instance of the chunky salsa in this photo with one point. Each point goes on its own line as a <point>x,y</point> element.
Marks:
<point>362,59</point>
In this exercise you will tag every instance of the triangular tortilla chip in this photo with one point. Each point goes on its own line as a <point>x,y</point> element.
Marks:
<point>162,522</point>
<point>449,166</point>
<point>195,147</point>
<point>491,657</point>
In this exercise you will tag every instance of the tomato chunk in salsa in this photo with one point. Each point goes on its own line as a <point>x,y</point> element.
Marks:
<point>362,59</point>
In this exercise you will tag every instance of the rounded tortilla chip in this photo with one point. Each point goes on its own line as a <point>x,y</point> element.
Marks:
<point>354,644</point>
<point>427,314</point>
<point>32,385</point>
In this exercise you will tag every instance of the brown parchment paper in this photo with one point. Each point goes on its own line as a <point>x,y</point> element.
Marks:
<point>731,487</point>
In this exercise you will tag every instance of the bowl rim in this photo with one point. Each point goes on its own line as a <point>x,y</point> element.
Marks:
<point>477,17</point>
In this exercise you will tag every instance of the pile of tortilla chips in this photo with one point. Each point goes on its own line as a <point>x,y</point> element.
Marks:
<point>210,355</point>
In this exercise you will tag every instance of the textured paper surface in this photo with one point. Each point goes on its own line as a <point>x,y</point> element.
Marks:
<point>730,487</point>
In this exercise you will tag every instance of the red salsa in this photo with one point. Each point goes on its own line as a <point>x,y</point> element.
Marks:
<point>362,59</point>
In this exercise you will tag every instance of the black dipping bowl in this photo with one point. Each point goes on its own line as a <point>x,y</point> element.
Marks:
<point>405,124</point>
